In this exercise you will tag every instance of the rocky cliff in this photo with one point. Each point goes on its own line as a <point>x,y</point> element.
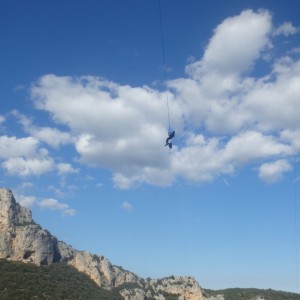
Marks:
<point>21,239</point>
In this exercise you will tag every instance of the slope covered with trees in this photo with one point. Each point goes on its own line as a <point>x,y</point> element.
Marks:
<point>56,281</point>
<point>249,294</point>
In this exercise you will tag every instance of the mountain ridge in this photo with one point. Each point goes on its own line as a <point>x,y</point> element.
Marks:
<point>248,294</point>
<point>21,239</point>
<point>60,281</point>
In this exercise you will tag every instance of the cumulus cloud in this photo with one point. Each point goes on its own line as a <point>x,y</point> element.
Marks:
<point>201,162</point>
<point>26,167</point>
<point>237,42</point>
<point>117,127</point>
<point>124,182</point>
<point>26,201</point>
<point>49,135</point>
<point>207,159</point>
<point>65,168</point>
<point>127,206</point>
<point>23,157</point>
<point>54,204</point>
<point>273,172</point>
<point>292,137</point>
<point>225,117</point>
<point>286,29</point>
<point>45,204</point>
<point>26,185</point>
<point>213,95</point>
<point>15,147</point>
<point>250,146</point>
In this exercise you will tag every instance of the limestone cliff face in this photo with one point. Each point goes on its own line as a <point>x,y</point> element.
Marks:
<point>22,239</point>
<point>186,287</point>
<point>218,297</point>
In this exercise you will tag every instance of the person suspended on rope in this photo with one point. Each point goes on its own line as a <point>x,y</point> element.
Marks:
<point>169,138</point>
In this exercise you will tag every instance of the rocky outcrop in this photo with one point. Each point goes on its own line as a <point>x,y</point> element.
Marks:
<point>186,287</point>
<point>218,297</point>
<point>21,239</point>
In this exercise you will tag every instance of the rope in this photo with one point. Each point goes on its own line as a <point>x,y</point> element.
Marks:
<point>296,231</point>
<point>296,204</point>
<point>164,58</point>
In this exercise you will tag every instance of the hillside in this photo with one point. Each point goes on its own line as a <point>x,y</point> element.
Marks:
<point>21,239</point>
<point>60,281</point>
<point>57,281</point>
<point>248,294</point>
<point>55,270</point>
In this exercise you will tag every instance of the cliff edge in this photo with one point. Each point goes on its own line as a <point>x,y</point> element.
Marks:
<point>21,239</point>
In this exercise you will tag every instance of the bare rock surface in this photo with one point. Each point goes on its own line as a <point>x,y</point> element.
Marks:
<point>21,239</point>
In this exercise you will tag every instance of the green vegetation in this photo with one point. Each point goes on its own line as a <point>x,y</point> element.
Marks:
<point>19,281</point>
<point>247,294</point>
<point>132,286</point>
<point>170,296</point>
<point>128,286</point>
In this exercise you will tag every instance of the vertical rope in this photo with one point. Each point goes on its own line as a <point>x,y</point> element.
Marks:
<point>164,58</point>
<point>296,182</point>
<point>296,231</point>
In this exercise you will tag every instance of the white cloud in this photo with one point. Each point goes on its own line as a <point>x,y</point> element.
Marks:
<point>246,119</point>
<point>201,162</point>
<point>45,204</point>
<point>26,201</point>
<point>26,167</point>
<point>2,119</point>
<point>213,95</point>
<point>273,172</point>
<point>117,127</point>
<point>14,147</point>
<point>211,158</point>
<point>295,50</point>
<point>291,137</point>
<point>250,146</point>
<point>124,182</point>
<point>57,192</point>
<point>22,156</point>
<point>224,100</point>
<point>51,136</point>
<point>163,176</point>
<point>65,168</point>
<point>286,29</point>
<point>89,104</point>
<point>127,206</point>
<point>26,185</point>
<point>274,104</point>
<point>237,42</point>
<point>54,204</point>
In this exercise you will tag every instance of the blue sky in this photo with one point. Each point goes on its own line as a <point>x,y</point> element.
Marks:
<point>83,123</point>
